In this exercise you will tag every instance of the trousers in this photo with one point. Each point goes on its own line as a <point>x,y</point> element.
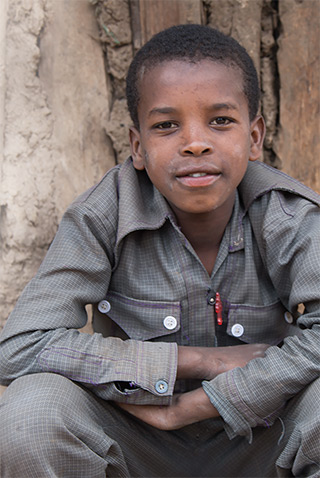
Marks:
<point>53,427</point>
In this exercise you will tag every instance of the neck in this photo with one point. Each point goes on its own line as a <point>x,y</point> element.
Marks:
<point>205,231</point>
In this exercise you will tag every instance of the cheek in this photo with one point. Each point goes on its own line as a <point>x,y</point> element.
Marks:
<point>158,171</point>
<point>241,149</point>
<point>146,157</point>
<point>238,150</point>
<point>240,157</point>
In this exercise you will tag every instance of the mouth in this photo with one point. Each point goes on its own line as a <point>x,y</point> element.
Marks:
<point>198,178</point>
<point>197,175</point>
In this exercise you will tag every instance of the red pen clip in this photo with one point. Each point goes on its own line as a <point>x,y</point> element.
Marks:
<point>218,308</point>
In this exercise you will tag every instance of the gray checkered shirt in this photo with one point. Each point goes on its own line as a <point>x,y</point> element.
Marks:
<point>119,247</point>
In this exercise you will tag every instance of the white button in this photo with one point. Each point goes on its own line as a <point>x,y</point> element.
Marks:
<point>104,306</point>
<point>237,330</point>
<point>170,322</point>
<point>288,317</point>
<point>161,386</point>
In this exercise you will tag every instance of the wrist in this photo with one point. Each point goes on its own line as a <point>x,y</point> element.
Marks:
<point>202,363</point>
<point>190,363</point>
<point>191,407</point>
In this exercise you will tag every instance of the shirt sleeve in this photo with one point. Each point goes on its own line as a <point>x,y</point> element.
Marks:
<point>289,241</point>
<point>41,333</point>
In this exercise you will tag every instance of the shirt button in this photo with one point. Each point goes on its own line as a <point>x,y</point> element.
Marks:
<point>211,301</point>
<point>104,306</point>
<point>237,330</point>
<point>170,322</point>
<point>161,386</point>
<point>288,317</point>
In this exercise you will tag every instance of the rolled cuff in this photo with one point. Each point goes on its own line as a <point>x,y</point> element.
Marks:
<point>234,423</point>
<point>239,418</point>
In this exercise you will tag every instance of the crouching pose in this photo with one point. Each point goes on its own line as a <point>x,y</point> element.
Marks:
<point>195,257</point>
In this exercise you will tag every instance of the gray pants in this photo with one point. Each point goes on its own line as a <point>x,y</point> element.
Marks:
<point>52,427</point>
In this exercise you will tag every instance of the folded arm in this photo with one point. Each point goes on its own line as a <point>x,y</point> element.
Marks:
<point>195,363</point>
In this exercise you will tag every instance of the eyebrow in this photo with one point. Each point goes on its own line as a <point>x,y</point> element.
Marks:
<point>216,106</point>
<point>224,106</point>
<point>165,110</point>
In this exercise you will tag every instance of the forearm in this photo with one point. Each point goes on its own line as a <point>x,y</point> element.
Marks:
<point>254,395</point>
<point>190,363</point>
<point>185,409</point>
<point>193,407</point>
<point>205,363</point>
<point>94,361</point>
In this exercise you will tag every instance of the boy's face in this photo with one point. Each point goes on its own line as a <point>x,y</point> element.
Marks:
<point>195,136</point>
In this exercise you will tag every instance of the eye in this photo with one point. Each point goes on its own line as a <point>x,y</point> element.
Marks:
<point>221,121</point>
<point>166,125</point>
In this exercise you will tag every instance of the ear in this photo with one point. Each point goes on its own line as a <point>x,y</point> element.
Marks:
<point>136,148</point>
<point>258,131</point>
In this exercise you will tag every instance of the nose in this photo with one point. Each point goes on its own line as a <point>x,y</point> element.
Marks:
<point>196,143</point>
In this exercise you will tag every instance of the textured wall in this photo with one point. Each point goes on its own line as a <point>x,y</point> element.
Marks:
<point>297,143</point>
<point>53,144</point>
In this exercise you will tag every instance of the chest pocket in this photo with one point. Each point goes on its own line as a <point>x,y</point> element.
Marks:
<point>259,324</point>
<point>125,317</point>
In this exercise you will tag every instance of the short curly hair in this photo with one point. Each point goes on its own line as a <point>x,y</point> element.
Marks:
<point>192,43</point>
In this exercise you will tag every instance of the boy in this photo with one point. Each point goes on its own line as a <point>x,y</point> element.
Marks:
<point>196,258</point>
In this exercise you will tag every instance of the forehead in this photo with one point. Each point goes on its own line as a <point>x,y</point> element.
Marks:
<point>173,80</point>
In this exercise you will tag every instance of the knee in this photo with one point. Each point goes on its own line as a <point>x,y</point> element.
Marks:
<point>302,421</point>
<point>304,413</point>
<point>310,420</point>
<point>32,411</point>
<point>306,405</point>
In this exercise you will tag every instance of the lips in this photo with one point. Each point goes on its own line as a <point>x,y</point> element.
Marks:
<point>198,176</point>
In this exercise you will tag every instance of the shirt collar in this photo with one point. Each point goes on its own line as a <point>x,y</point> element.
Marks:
<point>261,179</point>
<point>141,205</point>
<point>235,226</point>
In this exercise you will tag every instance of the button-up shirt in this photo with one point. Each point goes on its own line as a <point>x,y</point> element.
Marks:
<point>120,248</point>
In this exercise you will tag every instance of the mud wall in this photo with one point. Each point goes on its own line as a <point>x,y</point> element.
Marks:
<point>63,117</point>
<point>53,143</point>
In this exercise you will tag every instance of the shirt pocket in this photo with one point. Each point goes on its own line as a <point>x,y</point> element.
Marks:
<point>258,324</point>
<point>126,317</point>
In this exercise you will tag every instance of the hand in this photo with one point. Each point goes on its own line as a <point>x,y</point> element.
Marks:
<point>205,363</point>
<point>202,363</point>
<point>185,409</point>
